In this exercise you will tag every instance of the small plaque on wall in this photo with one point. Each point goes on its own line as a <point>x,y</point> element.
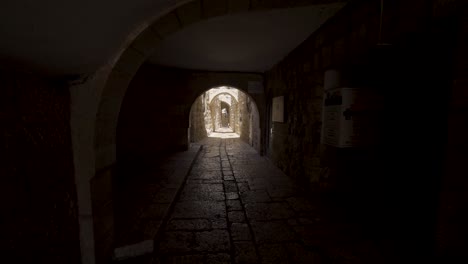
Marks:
<point>278,109</point>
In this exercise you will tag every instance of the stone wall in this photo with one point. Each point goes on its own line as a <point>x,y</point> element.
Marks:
<point>452,231</point>
<point>249,123</point>
<point>413,76</point>
<point>244,121</point>
<point>39,216</point>
<point>198,127</point>
<point>215,109</point>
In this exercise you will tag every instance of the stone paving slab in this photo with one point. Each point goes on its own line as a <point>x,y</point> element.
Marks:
<point>149,199</point>
<point>236,207</point>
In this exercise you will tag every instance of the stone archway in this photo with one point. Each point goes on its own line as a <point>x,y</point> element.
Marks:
<point>96,102</point>
<point>244,116</point>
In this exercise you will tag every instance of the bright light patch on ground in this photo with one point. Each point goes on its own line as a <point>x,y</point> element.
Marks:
<point>223,133</point>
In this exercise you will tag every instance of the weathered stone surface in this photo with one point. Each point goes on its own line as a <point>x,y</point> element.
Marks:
<point>233,205</point>
<point>38,188</point>
<point>269,232</point>
<point>228,178</point>
<point>227,173</point>
<point>255,196</point>
<point>240,232</point>
<point>189,224</point>
<point>184,259</point>
<point>165,195</point>
<point>245,252</point>
<point>220,223</point>
<point>199,209</point>
<point>236,216</point>
<point>156,211</point>
<point>206,174</point>
<point>215,240</point>
<point>299,254</point>
<point>230,186</point>
<point>300,204</point>
<point>202,192</point>
<point>232,195</point>
<point>176,242</point>
<point>273,253</point>
<point>243,186</point>
<point>218,259</point>
<point>268,211</point>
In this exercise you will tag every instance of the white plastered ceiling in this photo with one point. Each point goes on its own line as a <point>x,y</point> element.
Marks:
<point>73,37</point>
<point>246,42</point>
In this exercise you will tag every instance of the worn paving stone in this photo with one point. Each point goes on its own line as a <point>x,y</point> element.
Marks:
<point>215,240</point>
<point>207,166</point>
<point>299,254</point>
<point>176,242</point>
<point>240,232</point>
<point>228,178</point>
<point>281,192</point>
<point>164,195</point>
<point>232,196</point>
<point>308,221</point>
<point>233,205</point>
<point>228,173</point>
<point>268,211</point>
<point>300,204</point>
<point>255,196</point>
<point>189,224</point>
<point>218,259</point>
<point>236,216</point>
<point>185,259</point>
<point>150,228</point>
<point>273,253</point>
<point>280,225</point>
<point>219,223</point>
<point>211,156</point>
<point>245,253</point>
<point>199,209</point>
<point>205,175</point>
<point>203,187</point>
<point>243,187</point>
<point>202,192</point>
<point>155,211</point>
<point>195,181</point>
<point>271,232</point>
<point>230,186</point>
<point>211,181</point>
<point>293,222</point>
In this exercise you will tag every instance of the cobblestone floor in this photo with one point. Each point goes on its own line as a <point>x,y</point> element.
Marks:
<point>236,207</point>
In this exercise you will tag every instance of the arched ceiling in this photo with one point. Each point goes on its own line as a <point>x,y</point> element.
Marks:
<point>71,37</point>
<point>245,42</point>
<point>67,37</point>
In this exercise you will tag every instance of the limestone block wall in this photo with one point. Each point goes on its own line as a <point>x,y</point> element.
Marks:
<point>198,129</point>
<point>245,120</point>
<point>249,121</point>
<point>415,73</point>
<point>452,231</point>
<point>215,109</point>
<point>234,116</point>
<point>39,215</point>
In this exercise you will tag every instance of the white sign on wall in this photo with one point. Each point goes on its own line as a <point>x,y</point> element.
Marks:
<point>349,116</point>
<point>278,109</point>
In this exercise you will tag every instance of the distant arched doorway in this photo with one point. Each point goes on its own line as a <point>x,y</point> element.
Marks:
<point>225,110</point>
